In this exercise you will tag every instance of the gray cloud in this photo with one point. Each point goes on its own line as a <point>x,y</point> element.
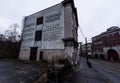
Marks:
<point>95,16</point>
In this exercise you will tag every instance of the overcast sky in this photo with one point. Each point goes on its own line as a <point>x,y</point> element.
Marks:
<point>95,16</point>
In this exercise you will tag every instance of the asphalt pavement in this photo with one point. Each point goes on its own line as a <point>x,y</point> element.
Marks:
<point>84,74</point>
<point>110,69</point>
<point>17,72</point>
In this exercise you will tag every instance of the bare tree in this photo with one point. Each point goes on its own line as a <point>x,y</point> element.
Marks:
<point>15,26</point>
<point>1,37</point>
<point>12,34</point>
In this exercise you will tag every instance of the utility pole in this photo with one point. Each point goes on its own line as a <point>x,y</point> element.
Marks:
<point>80,49</point>
<point>86,50</point>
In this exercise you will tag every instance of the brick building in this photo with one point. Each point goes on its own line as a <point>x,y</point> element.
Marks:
<point>51,33</point>
<point>107,44</point>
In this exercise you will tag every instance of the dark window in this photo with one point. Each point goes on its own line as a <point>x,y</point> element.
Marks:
<point>38,35</point>
<point>39,20</point>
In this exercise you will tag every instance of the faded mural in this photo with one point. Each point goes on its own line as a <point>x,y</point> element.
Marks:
<point>52,29</point>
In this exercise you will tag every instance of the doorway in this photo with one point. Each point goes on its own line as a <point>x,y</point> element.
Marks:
<point>33,53</point>
<point>41,55</point>
<point>112,54</point>
<point>96,56</point>
<point>101,56</point>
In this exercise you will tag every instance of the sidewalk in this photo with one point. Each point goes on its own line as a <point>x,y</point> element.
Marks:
<point>84,74</point>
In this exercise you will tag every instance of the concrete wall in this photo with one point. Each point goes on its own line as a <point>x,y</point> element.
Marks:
<point>68,22</point>
<point>24,54</point>
<point>70,28</point>
<point>48,54</point>
<point>53,33</point>
<point>69,50</point>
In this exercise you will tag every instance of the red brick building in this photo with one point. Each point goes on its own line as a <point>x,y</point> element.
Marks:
<point>107,44</point>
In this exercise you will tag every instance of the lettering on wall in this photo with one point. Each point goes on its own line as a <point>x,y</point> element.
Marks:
<point>53,17</point>
<point>28,35</point>
<point>29,25</point>
<point>53,32</point>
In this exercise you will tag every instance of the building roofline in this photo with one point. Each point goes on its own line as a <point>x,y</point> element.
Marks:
<point>106,32</point>
<point>65,2</point>
<point>43,10</point>
<point>76,16</point>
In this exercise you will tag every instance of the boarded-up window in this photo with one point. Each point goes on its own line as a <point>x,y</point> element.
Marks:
<point>38,35</point>
<point>39,20</point>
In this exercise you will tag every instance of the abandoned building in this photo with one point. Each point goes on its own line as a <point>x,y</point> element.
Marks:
<point>51,33</point>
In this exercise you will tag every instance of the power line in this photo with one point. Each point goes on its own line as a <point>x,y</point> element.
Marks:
<point>81,32</point>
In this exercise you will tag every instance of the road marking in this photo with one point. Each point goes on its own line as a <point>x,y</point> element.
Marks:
<point>21,81</point>
<point>109,81</point>
<point>108,66</point>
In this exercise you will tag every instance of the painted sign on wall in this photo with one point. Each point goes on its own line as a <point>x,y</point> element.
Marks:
<point>52,29</point>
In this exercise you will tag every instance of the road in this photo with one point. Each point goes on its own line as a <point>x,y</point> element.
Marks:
<point>84,74</point>
<point>17,72</point>
<point>110,69</point>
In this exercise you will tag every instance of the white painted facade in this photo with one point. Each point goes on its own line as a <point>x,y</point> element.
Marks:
<point>50,30</point>
<point>53,33</point>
